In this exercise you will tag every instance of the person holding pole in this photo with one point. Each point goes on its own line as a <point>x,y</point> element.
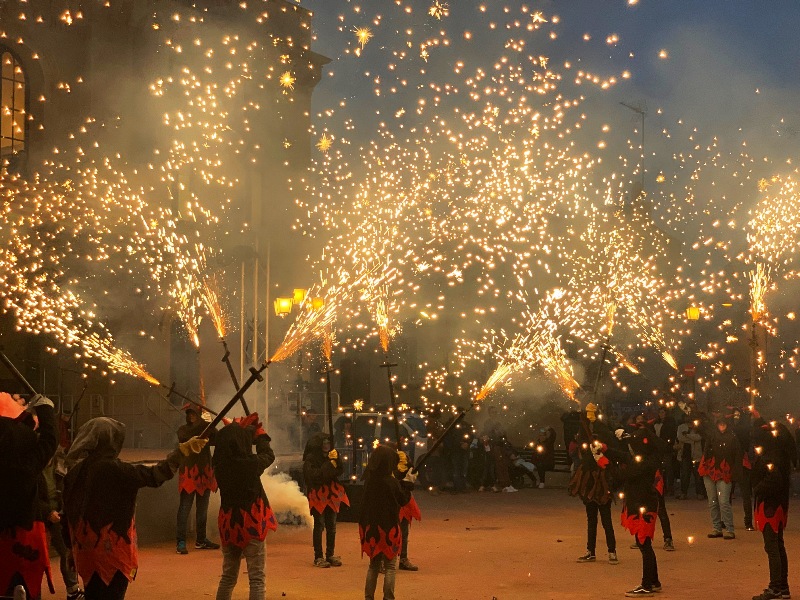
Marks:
<point>195,479</point>
<point>321,471</point>
<point>100,501</point>
<point>24,453</point>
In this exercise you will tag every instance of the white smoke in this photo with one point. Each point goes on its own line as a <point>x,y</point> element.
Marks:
<point>287,501</point>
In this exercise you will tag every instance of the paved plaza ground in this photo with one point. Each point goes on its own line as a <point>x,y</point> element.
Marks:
<point>480,546</point>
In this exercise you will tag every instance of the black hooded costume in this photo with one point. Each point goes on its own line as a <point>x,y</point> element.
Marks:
<point>772,475</point>
<point>244,512</point>
<point>379,519</point>
<point>321,477</point>
<point>24,453</point>
<point>100,500</point>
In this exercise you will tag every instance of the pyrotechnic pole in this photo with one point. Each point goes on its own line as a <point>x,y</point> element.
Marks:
<point>17,375</point>
<point>423,459</point>
<point>606,347</point>
<point>226,359</point>
<point>267,309</point>
<point>255,305</point>
<point>241,327</point>
<point>329,399</point>
<point>753,363</point>
<point>255,375</point>
<point>388,366</point>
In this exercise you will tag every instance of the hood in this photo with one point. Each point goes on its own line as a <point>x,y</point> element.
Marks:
<point>232,443</point>
<point>101,437</point>
<point>314,444</point>
<point>382,462</point>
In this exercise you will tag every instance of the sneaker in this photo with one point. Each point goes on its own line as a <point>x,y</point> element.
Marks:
<point>541,486</point>
<point>588,557</point>
<point>612,558</point>
<point>768,594</point>
<point>334,561</point>
<point>668,546</point>
<point>495,489</point>
<point>785,594</point>
<point>510,489</point>
<point>407,565</point>
<point>729,535</point>
<point>321,563</point>
<point>206,545</point>
<point>482,489</point>
<point>76,595</point>
<point>715,534</point>
<point>634,547</point>
<point>638,592</point>
<point>656,587</point>
<point>181,548</point>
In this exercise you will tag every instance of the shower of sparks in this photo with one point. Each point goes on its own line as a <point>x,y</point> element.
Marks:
<point>363,35</point>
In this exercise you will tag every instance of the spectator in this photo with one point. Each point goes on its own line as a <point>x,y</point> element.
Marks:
<point>545,456</point>
<point>742,427</point>
<point>689,454</point>
<point>720,466</point>
<point>667,431</point>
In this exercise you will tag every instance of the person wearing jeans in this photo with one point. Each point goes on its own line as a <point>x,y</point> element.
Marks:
<point>720,466</point>
<point>255,555</point>
<point>245,516</point>
<point>380,564</point>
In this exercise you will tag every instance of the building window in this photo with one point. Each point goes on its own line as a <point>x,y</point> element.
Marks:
<point>13,95</point>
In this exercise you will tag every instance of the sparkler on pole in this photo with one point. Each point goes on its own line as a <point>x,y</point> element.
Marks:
<point>255,375</point>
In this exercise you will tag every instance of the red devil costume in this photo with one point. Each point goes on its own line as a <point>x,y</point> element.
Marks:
<point>245,516</point>
<point>772,486</point>
<point>195,479</point>
<point>100,501</point>
<point>23,455</point>
<point>321,471</point>
<point>379,520</point>
<point>642,482</point>
<point>408,512</point>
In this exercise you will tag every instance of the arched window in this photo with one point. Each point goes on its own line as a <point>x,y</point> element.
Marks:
<point>13,109</point>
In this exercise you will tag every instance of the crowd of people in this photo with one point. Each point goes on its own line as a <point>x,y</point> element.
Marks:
<point>81,499</point>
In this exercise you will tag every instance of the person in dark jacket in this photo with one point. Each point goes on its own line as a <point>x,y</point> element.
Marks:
<point>666,429</point>
<point>195,479</point>
<point>591,482</point>
<point>639,472</point>
<point>772,486</point>
<point>100,501</point>
<point>720,466</point>
<point>545,456</point>
<point>245,516</point>
<point>742,427</point>
<point>24,453</point>
<point>321,471</point>
<point>379,519</point>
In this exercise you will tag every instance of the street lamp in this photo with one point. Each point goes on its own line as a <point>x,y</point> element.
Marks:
<point>317,303</point>
<point>299,295</point>
<point>693,313</point>
<point>283,306</point>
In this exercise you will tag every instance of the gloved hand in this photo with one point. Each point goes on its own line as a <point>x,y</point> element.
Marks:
<point>402,465</point>
<point>597,453</point>
<point>333,455</point>
<point>411,477</point>
<point>39,400</point>
<point>620,433</point>
<point>192,446</point>
<point>206,416</point>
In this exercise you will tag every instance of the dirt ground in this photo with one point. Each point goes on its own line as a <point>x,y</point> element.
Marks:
<point>482,546</point>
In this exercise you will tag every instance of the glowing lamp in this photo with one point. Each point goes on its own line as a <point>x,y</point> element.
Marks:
<point>693,313</point>
<point>299,295</point>
<point>283,306</point>
<point>317,303</point>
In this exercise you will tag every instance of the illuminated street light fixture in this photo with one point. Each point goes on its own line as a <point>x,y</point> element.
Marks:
<point>299,295</point>
<point>693,313</point>
<point>317,303</point>
<point>283,306</point>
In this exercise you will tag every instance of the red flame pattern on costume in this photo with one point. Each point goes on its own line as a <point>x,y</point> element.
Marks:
<point>746,461</point>
<point>105,552</point>
<point>776,521</point>
<point>252,525</point>
<point>375,541</point>
<point>193,480</point>
<point>641,525</point>
<point>24,552</point>
<point>322,497</point>
<point>410,511</point>
<point>708,468</point>
<point>659,483</point>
